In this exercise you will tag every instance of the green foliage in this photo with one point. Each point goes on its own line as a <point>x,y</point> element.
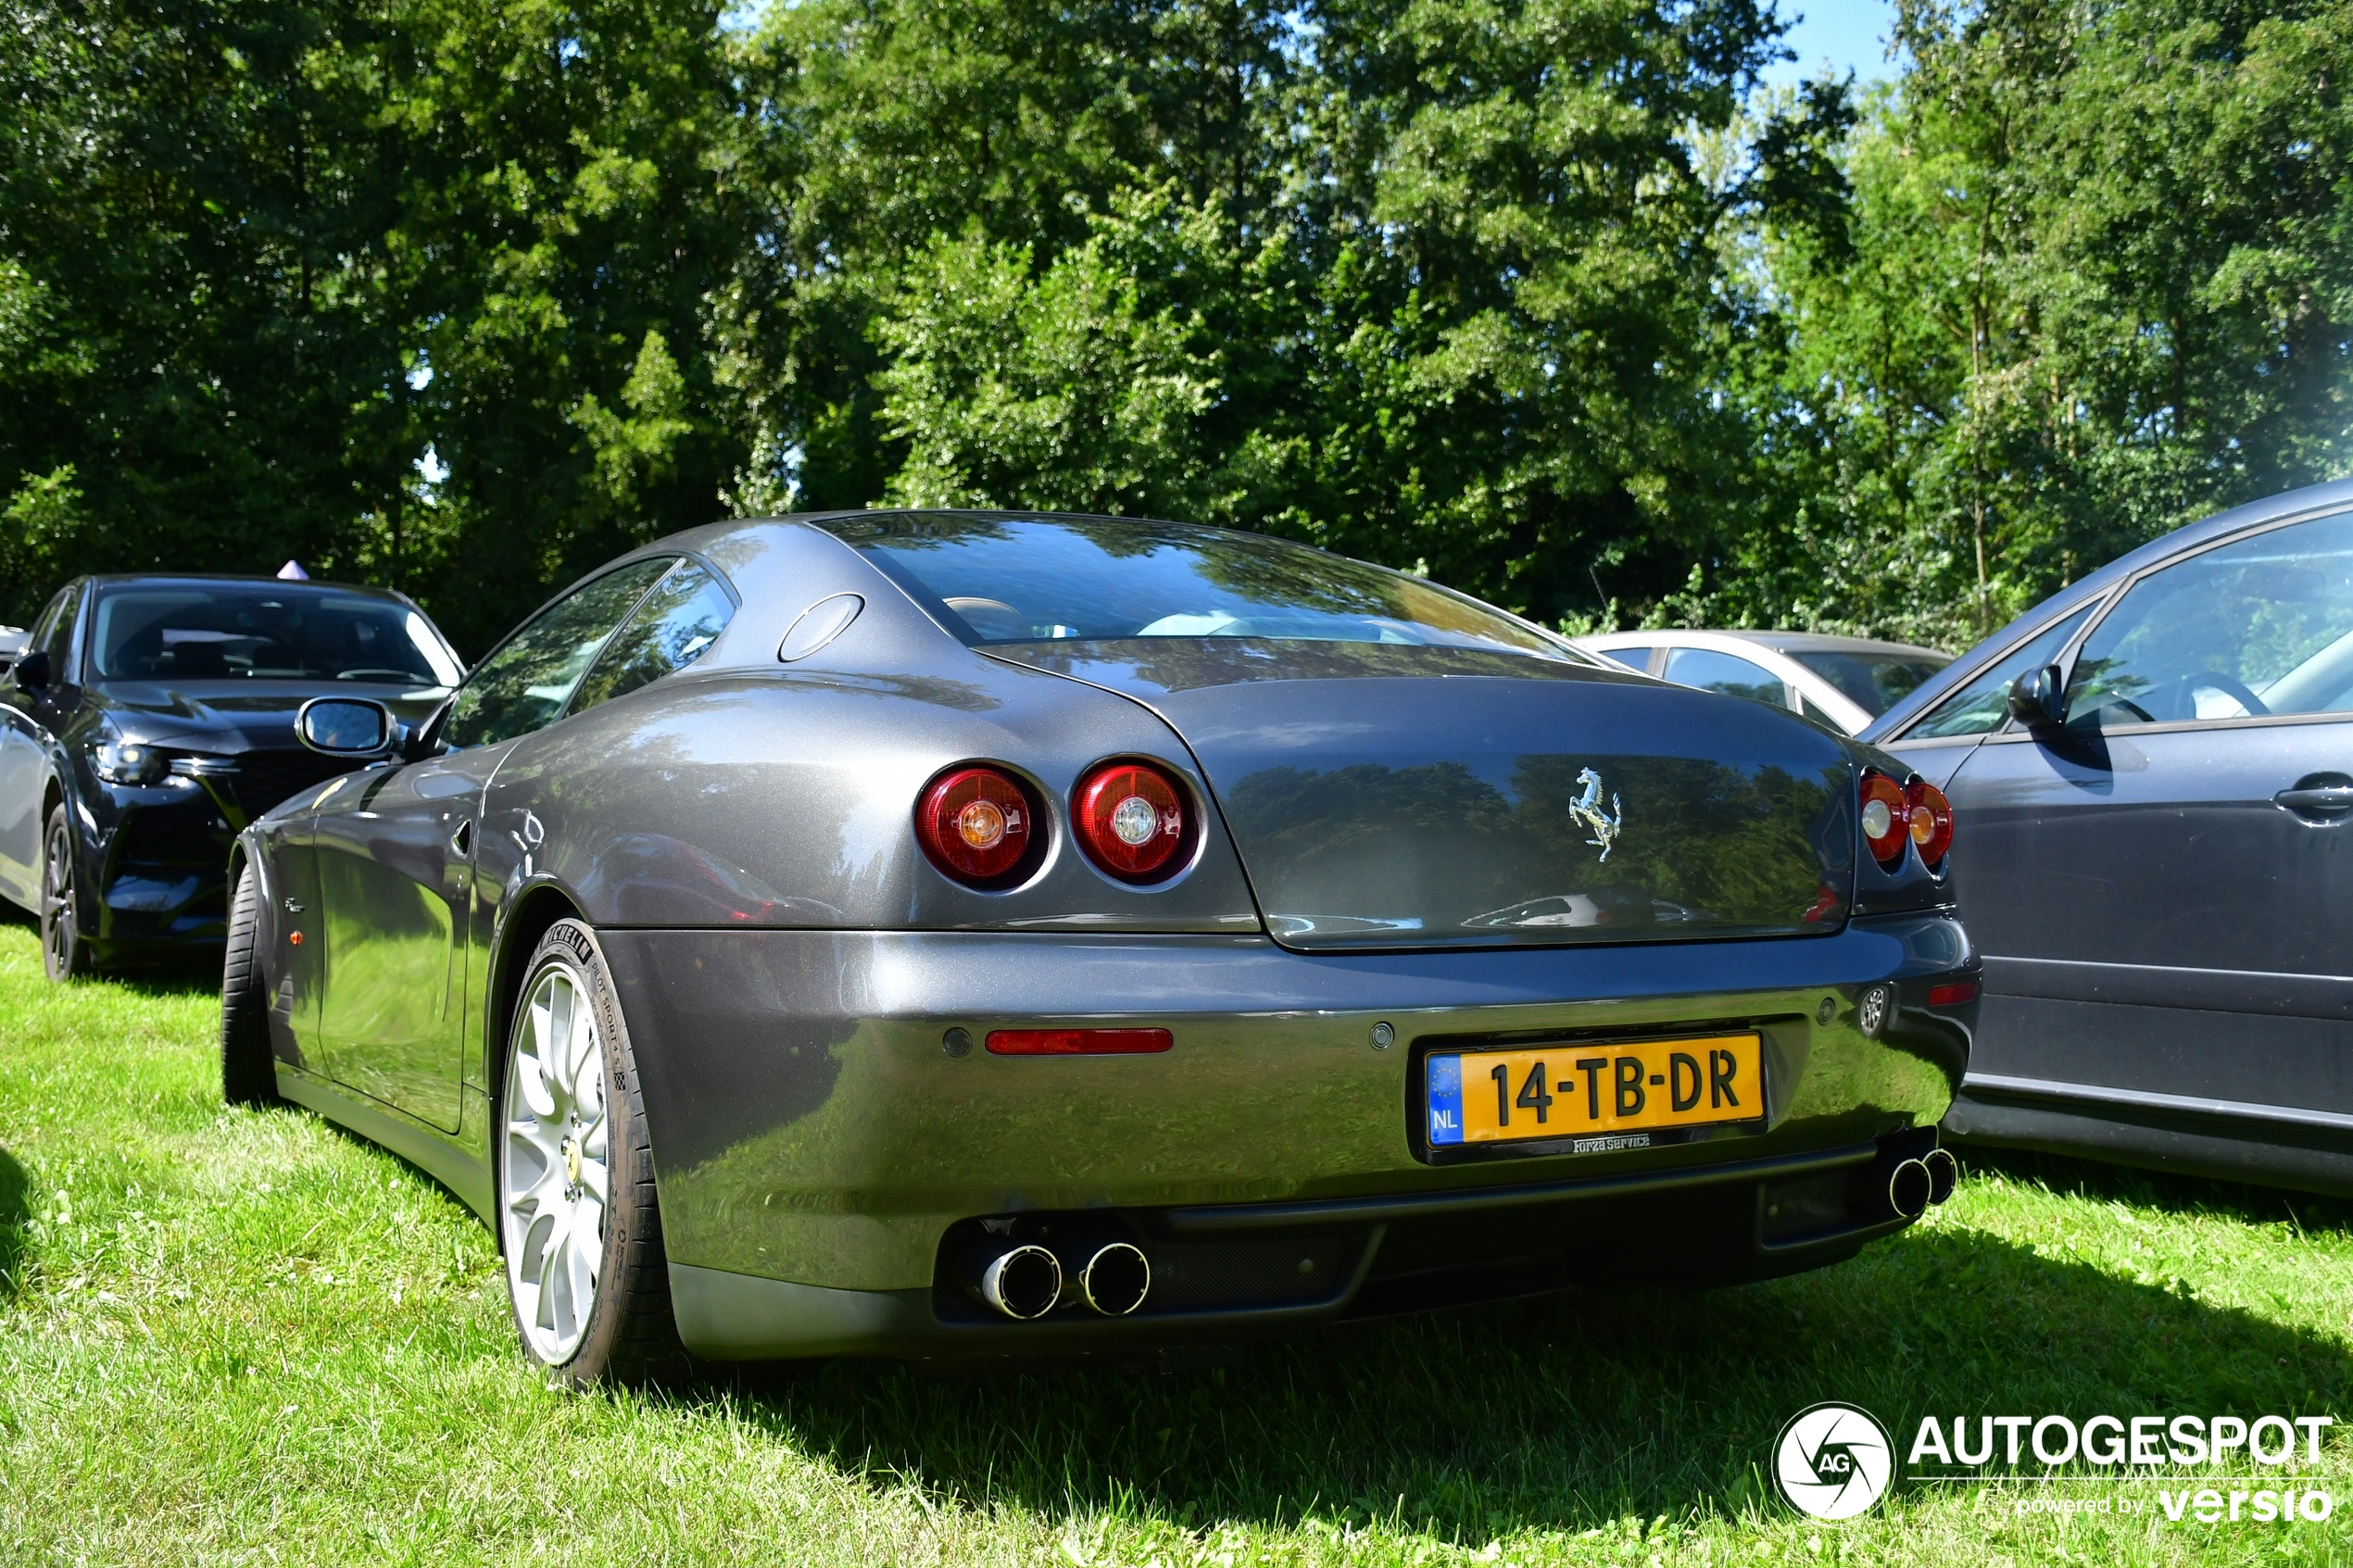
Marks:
<point>1053,391</point>
<point>1415,288</point>
<point>261,260</point>
<point>1542,297</point>
<point>41,527</point>
<point>2096,289</point>
<point>641,447</point>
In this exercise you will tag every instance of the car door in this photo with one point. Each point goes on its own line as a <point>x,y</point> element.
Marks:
<point>396,850</point>
<point>24,768</point>
<point>2162,886</point>
<point>391,852</point>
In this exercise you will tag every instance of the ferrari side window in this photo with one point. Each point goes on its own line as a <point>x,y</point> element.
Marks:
<point>2259,626</point>
<point>683,616</point>
<point>528,679</point>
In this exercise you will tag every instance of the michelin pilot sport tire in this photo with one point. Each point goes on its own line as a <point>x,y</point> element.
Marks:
<point>569,1114</point>
<point>248,1067</point>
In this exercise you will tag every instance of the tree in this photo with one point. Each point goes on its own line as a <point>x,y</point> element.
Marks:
<point>2096,290</point>
<point>409,289</point>
<point>188,193</point>
<point>565,213</point>
<point>1428,284</point>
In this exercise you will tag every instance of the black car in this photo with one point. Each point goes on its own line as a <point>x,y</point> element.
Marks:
<point>2153,770</point>
<point>150,717</point>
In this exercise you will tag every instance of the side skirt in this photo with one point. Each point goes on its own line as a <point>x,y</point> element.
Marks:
<point>421,1146</point>
<point>2198,1140</point>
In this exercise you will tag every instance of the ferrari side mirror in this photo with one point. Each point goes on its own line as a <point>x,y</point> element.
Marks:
<point>344,726</point>
<point>2036,697</point>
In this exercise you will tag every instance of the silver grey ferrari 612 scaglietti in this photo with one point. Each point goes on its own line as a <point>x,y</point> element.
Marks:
<point>965,937</point>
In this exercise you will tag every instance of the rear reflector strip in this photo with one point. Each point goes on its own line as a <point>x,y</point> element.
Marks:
<point>1077,1042</point>
<point>1950,996</point>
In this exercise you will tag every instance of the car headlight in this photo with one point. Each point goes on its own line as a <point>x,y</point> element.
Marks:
<point>131,762</point>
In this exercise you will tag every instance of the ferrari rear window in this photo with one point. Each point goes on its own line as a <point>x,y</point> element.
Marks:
<point>1001,579</point>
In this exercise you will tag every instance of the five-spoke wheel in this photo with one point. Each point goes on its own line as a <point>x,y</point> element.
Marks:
<point>557,1174</point>
<point>577,1215</point>
<point>63,955</point>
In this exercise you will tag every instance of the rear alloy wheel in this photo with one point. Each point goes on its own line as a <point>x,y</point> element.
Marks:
<point>63,953</point>
<point>577,1216</point>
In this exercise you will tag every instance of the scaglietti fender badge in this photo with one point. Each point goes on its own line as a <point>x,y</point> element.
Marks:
<point>1587,808</point>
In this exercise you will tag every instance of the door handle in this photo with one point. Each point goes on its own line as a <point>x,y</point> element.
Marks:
<point>462,842</point>
<point>2323,800</point>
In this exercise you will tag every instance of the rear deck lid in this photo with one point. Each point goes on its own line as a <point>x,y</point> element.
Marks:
<point>1379,802</point>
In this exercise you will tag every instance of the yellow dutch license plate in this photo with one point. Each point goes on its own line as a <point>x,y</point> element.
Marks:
<point>1602,1094</point>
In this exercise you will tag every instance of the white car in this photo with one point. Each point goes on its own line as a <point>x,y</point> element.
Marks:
<point>1843,682</point>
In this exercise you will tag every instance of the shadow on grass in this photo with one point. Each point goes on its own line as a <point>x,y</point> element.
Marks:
<point>2100,1182</point>
<point>179,977</point>
<point>15,1185</point>
<point>1565,1411</point>
<point>170,976</point>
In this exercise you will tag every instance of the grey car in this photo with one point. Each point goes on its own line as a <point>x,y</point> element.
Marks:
<point>2155,767</point>
<point>966,936</point>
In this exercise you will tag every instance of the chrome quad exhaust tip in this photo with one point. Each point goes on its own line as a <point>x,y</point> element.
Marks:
<point>1117,1279</point>
<point>1910,1189</point>
<point>1944,1174</point>
<point>1022,1282</point>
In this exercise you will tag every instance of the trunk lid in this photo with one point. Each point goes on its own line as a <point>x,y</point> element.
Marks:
<point>1400,797</point>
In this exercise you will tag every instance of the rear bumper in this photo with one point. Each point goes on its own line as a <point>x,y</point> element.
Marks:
<point>810,1128</point>
<point>1227,1273</point>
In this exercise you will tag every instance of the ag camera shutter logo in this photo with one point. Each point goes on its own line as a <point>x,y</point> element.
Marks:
<point>1833,1462</point>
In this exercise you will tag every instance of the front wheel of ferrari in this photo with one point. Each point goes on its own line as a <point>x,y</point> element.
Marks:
<point>578,1221</point>
<point>248,1067</point>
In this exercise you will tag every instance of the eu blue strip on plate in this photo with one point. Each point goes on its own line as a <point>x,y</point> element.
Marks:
<point>1445,1090</point>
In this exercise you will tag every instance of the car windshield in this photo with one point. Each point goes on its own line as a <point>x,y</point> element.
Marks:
<point>1872,682</point>
<point>220,631</point>
<point>1033,578</point>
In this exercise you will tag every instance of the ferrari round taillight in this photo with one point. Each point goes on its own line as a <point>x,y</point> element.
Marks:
<point>1929,818</point>
<point>1131,819</point>
<point>1886,817</point>
<point>976,823</point>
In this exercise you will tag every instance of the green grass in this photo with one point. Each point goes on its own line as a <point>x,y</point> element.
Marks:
<point>240,1337</point>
